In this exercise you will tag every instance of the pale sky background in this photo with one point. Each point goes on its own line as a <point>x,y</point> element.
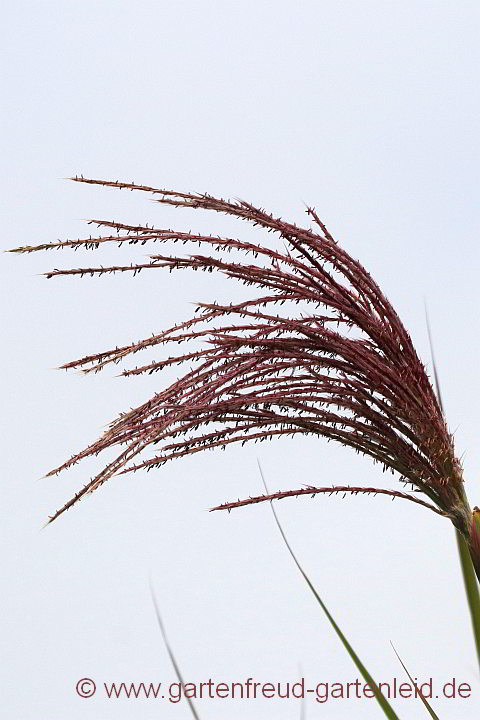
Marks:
<point>370,112</point>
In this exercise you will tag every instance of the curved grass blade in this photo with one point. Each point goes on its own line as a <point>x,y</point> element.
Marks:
<point>420,694</point>
<point>468,572</point>
<point>382,701</point>
<point>170,653</point>
<point>303,707</point>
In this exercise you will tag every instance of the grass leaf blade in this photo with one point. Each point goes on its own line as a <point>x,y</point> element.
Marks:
<point>382,701</point>
<point>471,588</point>
<point>170,653</point>
<point>420,694</point>
<point>468,572</point>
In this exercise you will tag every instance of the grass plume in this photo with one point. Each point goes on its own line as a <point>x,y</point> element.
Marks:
<point>317,349</point>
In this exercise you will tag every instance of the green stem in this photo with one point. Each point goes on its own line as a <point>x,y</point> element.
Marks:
<point>471,587</point>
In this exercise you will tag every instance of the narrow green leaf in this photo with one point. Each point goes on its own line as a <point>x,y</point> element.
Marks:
<point>469,577</point>
<point>382,701</point>
<point>471,588</point>
<point>303,707</point>
<point>170,653</point>
<point>422,698</point>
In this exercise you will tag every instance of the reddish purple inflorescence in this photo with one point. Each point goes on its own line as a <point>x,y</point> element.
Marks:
<point>317,349</point>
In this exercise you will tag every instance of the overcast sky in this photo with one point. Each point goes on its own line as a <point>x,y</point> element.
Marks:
<point>370,112</point>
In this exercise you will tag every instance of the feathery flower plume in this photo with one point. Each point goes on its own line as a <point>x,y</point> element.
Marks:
<point>317,350</point>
